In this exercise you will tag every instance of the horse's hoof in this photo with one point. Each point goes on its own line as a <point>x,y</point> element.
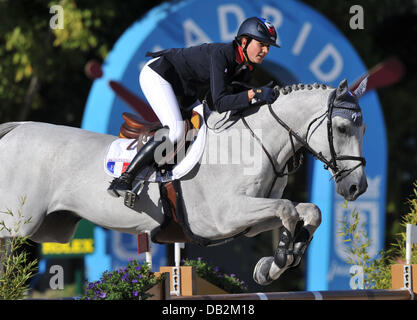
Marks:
<point>261,271</point>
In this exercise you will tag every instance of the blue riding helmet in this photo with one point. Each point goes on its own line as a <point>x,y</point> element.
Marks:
<point>259,29</point>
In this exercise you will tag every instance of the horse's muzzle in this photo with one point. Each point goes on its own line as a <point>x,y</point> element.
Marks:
<point>352,190</point>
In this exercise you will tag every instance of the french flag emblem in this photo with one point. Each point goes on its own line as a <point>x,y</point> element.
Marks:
<point>271,28</point>
<point>117,167</point>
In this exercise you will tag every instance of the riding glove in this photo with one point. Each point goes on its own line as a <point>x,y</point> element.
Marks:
<point>265,94</point>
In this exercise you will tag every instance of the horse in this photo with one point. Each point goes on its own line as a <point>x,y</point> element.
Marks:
<point>58,171</point>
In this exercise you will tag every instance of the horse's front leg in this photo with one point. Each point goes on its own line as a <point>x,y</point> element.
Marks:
<point>290,249</point>
<point>286,217</point>
<point>310,214</point>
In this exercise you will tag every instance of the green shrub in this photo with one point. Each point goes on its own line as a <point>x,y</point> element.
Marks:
<point>16,269</point>
<point>377,271</point>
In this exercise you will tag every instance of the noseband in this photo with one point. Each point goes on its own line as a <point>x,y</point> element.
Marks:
<point>332,164</point>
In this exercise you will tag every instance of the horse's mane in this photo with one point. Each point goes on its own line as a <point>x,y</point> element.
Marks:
<point>301,86</point>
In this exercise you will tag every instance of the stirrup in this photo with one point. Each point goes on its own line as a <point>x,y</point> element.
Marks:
<point>132,195</point>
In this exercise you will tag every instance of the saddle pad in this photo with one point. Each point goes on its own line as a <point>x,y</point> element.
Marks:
<point>118,156</point>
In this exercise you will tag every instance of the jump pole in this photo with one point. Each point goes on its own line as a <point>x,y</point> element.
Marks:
<point>401,294</point>
<point>404,276</point>
<point>411,238</point>
<point>176,270</point>
<point>144,246</point>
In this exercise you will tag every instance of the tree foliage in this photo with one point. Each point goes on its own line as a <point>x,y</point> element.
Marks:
<point>42,69</point>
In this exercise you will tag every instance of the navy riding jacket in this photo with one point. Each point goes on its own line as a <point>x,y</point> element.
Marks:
<point>195,71</point>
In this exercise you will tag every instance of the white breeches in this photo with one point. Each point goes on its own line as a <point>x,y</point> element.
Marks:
<point>163,101</point>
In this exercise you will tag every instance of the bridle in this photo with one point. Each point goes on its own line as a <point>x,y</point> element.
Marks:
<point>332,164</point>
<point>337,172</point>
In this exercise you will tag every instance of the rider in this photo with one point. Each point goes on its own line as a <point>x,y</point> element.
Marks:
<point>171,80</point>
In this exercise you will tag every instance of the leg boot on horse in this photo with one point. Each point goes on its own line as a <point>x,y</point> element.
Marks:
<point>290,250</point>
<point>145,156</point>
<point>280,262</point>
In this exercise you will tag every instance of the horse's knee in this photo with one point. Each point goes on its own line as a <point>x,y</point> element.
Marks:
<point>289,215</point>
<point>315,217</point>
<point>310,213</point>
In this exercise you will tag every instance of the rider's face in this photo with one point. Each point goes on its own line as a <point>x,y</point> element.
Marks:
<point>256,50</point>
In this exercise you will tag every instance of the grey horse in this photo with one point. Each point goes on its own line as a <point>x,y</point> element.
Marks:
<point>58,170</point>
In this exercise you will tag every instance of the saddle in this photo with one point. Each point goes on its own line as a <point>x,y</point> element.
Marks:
<point>134,127</point>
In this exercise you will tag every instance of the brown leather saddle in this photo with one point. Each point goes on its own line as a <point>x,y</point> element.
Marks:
<point>134,127</point>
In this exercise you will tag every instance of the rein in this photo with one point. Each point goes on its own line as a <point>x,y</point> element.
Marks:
<point>317,155</point>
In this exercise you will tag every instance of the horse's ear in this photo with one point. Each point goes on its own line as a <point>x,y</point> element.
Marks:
<point>342,88</point>
<point>360,90</point>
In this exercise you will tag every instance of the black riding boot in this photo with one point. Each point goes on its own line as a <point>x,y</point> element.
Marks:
<point>144,157</point>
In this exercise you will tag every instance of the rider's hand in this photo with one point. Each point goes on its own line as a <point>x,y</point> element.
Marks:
<point>265,94</point>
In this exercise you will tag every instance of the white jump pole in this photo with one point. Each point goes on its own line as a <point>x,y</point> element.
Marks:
<point>177,252</point>
<point>411,238</point>
<point>148,254</point>
<point>176,270</point>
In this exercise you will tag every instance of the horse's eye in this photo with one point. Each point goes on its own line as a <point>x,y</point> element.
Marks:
<point>342,129</point>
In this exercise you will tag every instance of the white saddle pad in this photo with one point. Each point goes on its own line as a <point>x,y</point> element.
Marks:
<point>121,152</point>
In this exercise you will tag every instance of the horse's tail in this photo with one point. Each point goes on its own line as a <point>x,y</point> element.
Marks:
<point>5,128</point>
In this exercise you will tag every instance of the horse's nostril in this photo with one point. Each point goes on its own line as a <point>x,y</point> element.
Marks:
<point>353,189</point>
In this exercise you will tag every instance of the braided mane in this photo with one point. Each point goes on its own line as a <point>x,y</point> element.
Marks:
<point>295,87</point>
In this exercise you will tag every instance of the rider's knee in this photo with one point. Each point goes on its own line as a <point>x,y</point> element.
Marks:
<point>176,131</point>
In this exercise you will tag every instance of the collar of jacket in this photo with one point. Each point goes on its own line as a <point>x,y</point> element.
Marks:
<point>240,58</point>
